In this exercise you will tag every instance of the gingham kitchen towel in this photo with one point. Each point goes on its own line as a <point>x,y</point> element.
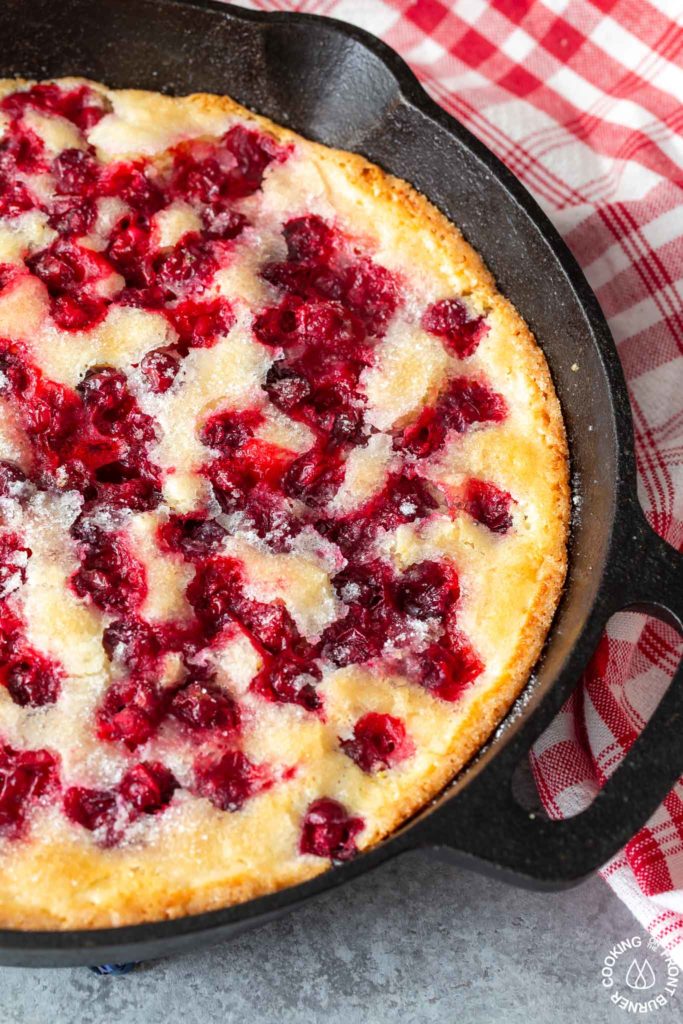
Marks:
<point>584,102</point>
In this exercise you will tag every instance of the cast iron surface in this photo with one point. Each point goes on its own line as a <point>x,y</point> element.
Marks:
<point>341,86</point>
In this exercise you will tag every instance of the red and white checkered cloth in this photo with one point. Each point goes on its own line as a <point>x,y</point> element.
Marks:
<point>584,102</point>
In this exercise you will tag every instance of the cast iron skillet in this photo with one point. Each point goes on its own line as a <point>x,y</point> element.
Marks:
<point>341,86</point>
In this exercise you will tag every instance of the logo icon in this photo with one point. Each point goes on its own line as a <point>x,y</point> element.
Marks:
<point>639,975</point>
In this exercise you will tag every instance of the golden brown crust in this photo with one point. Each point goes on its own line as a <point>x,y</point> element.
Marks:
<point>43,882</point>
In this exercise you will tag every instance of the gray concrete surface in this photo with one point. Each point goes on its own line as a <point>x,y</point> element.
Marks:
<point>416,942</point>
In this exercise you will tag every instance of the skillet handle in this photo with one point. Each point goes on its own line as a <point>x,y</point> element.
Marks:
<point>485,827</point>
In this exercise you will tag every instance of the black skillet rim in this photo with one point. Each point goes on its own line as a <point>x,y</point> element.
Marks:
<point>85,944</point>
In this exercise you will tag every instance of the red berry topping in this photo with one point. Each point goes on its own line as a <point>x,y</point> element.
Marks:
<point>110,576</point>
<point>201,704</point>
<point>75,172</point>
<point>228,431</point>
<point>13,561</point>
<point>314,477</point>
<point>446,672</point>
<point>130,712</point>
<point>308,238</point>
<point>378,741</point>
<point>69,272</point>
<point>357,638</point>
<point>286,388</point>
<point>25,776</point>
<point>253,152</point>
<point>147,787</point>
<point>200,324</point>
<point>189,266</point>
<point>193,536</point>
<point>72,217</point>
<point>15,198</point>
<point>372,294</point>
<point>427,590</point>
<point>133,642</point>
<point>230,781</point>
<point>449,319</point>
<point>94,809</point>
<point>82,105</point>
<point>133,184</point>
<point>329,831</point>
<point>488,505</point>
<point>287,679</point>
<point>465,401</point>
<point>160,367</point>
<point>22,151</point>
<point>32,681</point>
<point>13,481</point>
<point>129,250</point>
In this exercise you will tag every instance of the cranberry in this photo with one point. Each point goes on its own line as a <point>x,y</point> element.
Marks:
<point>488,505</point>
<point>81,104</point>
<point>94,809</point>
<point>106,396</point>
<point>201,704</point>
<point>200,324</point>
<point>72,217</point>
<point>270,625</point>
<point>13,559</point>
<point>15,198</point>
<point>194,536</point>
<point>22,151</point>
<point>159,367</point>
<point>448,319</point>
<point>148,787</point>
<point>215,591</point>
<point>378,741</point>
<point>129,250</point>
<point>222,223</point>
<point>277,325</point>
<point>10,634</point>
<point>364,585</point>
<point>286,679</point>
<point>32,682</point>
<point>427,590</point>
<point>132,641</point>
<point>286,388</point>
<point>308,238</point>
<point>227,431</point>
<point>232,483</point>
<point>131,183</point>
<point>446,672</point>
<point>355,639</point>
<point>110,576</point>
<point>130,712</point>
<point>68,271</point>
<point>189,265</point>
<point>197,179</point>
<point>329,831</point>
<point>230,781</point>
<point>25,776</point>
<point>314,477</point>
<point>253,152</point>
<point>372,294</point>
<point>13,481</point>
<point>468,401</point>
<point>465,401</point>
<point>425,436</point>
<point>75,172</point>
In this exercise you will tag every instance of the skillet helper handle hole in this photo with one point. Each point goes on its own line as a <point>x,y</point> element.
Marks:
<point>651,573</point>
<point>485,826</point>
